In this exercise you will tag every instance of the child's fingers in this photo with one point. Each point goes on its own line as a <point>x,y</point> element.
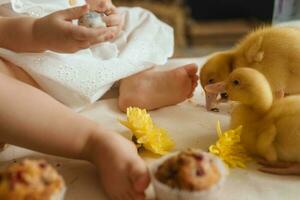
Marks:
<point>72,46</point>
<point>87,36</point>
<point>83,33</point>
<point>114,19</point>
<point>83,44</point>
<point>104,7</point>
<point>103,38</point>
<point>74,13</point>
<point>111,9</point>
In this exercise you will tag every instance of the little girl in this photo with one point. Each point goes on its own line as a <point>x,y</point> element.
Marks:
<point>133,42</point>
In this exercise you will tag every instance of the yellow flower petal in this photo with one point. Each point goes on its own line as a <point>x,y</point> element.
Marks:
<point>152,138</point>
<point>229,147</point>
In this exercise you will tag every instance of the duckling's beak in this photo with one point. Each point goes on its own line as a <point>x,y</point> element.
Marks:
<point>211,101</point>
<point>211,94</point>
<point>216,88</point>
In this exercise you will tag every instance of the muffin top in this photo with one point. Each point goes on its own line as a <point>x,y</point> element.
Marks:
<point>30,179</point>
<point>189,170</point>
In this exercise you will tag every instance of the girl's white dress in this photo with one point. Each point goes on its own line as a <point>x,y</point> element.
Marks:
<point>82,78</point>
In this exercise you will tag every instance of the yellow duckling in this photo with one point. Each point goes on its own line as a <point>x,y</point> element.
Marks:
<point>274,51</point>
<point>271,129</point>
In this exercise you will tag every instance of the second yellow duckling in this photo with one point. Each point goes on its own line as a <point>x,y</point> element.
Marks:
<point>274,51</point>
<point>271,129</point>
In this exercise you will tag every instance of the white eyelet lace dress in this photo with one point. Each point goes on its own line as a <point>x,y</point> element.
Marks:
<point>82,78</point>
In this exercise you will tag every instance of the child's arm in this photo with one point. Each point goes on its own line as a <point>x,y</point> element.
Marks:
<point>16,34</point>
<point>32,119</point>
<point>53,32</point>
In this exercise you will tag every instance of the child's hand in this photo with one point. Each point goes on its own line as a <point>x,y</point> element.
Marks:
<point>104,6</point>
<point>113,18</point>
<point>57,33</point>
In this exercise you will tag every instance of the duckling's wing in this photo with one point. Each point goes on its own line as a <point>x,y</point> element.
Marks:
<point>286,106</point>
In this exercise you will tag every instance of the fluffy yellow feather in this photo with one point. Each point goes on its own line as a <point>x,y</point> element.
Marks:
<point>271,129</point>
<point>274,51</point>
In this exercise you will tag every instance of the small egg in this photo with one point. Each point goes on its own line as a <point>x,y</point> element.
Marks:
<point>92,19</point>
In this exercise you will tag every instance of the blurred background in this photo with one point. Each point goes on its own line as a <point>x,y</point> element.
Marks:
<point>205,26</point>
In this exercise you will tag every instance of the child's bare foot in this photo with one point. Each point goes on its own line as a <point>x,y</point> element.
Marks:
<point>122,172</point>
<point>155,89</point>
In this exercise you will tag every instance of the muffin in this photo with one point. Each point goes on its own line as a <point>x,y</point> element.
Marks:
<point>92,19</point>
<point>190,174</point>
<point>31,180</point>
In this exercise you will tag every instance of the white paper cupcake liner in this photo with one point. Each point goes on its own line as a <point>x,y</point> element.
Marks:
<point>164,192</point>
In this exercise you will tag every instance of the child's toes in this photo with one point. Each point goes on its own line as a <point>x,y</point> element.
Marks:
<point>195,79</point>
<point>195,83</point>
<point>193,87</point>
<point>191,69</point>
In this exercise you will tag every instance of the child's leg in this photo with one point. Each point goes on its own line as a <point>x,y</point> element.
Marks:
<point>32,119</point>
<point>155,89</point>
<point>16,72</point>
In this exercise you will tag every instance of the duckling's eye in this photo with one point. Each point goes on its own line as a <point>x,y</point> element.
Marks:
<point>235,82</point>
<point>211,81</point>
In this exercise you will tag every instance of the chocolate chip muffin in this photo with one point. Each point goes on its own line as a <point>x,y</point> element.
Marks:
<point>189,170</point>
<point>190,174</point>
<point>31,180</point>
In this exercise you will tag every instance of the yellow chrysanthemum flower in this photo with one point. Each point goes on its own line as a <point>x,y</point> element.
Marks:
<point>149,136</point>
<point>230,149</point>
